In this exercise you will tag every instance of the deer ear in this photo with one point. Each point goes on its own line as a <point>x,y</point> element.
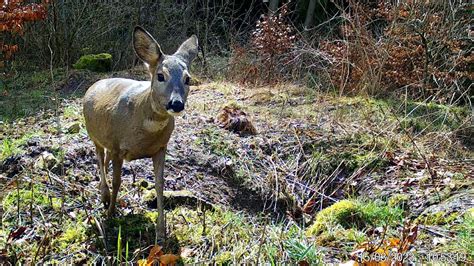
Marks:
<point>145,46</point>
<point>188,50</point>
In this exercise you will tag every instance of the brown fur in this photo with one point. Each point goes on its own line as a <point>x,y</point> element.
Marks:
<point>128,119</point>
<point>106,109</point>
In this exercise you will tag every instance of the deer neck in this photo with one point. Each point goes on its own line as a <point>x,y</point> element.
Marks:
<point>154,116</point>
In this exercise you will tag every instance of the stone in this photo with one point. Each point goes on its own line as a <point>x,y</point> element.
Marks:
<point>73,128</point>
<point>95,62</point>
<point>45,160</point>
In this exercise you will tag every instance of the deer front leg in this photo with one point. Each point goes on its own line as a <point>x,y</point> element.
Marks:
<point>117,173</point>
<point>158,164</point>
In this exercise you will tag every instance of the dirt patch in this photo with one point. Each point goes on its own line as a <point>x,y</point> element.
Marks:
<point>310,150</point>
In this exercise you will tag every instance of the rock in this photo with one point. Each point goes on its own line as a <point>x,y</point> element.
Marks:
<point>95,62</point>
<point>449,209</point>
<point>73,128</point>
<point>45,160</point>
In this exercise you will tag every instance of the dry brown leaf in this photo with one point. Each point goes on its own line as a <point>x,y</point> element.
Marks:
<point>155,254</point>
<point>168,259</point>
<point>303,263</point>
<point>394,242</point>
<point>308,208</point>
<point>16,234</point>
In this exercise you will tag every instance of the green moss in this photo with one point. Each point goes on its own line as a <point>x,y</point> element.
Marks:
<point>133,224</point>
<point>417,116</point>
<point>138,229</point>
<point>341,212</point>
<point>35,196</point>
<point>339,236</point>
<point>353,151</point>
<point>421,116</point>
<point>399,200</point>
<point>224,258</point>
<point>354,214</point>
<point>469,213</point>
<point>232,104</point>
<point>438,218</point>
<point>377,213</point>
<point>231,235</point>
<point>74,234</point>
<point>212,139</point>
<point>95,62</point>
<point>72,112</point>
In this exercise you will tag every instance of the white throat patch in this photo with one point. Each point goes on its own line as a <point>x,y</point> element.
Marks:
<point>155,125</point>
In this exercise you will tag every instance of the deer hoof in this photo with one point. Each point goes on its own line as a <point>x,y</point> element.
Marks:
<point>105,198</point>
<point>110,212</point>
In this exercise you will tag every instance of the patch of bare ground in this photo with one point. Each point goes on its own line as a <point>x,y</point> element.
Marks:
<point>311,150</point>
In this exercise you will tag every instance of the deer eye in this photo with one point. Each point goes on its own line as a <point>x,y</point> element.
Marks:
<point>187,80</point>
<point>160,77</point>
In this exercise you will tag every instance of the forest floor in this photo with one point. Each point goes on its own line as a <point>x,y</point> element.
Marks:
<point>323,177</point>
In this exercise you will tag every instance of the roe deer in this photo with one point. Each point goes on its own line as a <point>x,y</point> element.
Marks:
<point>128,119</point>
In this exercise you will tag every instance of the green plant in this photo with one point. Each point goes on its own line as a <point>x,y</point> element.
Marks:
<point>119,245</point>
<point>11,146</point>
<point>215,141</point>
<point>299,251</point>
<point>126,251</point>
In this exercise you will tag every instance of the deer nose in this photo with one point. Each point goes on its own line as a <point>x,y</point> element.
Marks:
<point>176,105</point>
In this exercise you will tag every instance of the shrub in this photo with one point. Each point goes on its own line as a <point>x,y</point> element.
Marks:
<point>267,56</point>
<point>420,46</point>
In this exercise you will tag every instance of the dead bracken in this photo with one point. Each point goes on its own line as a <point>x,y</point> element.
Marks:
<point>235,120</point>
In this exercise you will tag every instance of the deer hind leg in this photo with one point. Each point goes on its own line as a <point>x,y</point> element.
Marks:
<point>104,188</point>
<point>117,180</point>
<point>107,161</point>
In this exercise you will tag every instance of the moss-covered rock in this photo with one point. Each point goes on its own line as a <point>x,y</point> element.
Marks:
<point>447,211</point>
<point>338,236</point>
<point>340,212</point>
<point>95,62</point>
<point>355,214</point>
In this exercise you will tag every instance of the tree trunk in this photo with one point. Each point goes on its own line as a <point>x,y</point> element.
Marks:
<point>308,22</point>
<point>273,5</point>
